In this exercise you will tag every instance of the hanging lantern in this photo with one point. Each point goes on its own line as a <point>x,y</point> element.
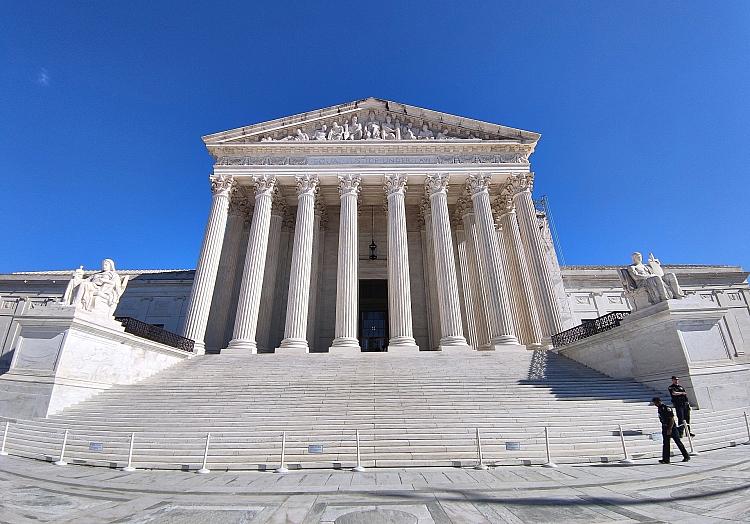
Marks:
<point>373,245</point>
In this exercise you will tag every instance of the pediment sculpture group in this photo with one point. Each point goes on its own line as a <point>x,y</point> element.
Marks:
<point>648,284</point>
<point>99,293</point>
<point>373,129</point>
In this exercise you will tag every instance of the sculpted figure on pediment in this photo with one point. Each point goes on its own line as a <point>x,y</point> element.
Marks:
<point>321,134</point>
<point>372,128</point>
<point>353,131</point>
<point>443,135</point>
<point>301,135</point>
<point>425,133</point>
<point>390,131</point>
<point>407,132</point>
<point>336,132</point>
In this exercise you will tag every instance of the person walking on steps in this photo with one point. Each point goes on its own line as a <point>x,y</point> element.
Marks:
<point>681,405</point>
<point>668,431</point>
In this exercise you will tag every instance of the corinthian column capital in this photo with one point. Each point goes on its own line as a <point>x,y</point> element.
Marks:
<point>349,184</point>
<point>306,185</point>
<point>520,182</point>
<point>395,184</point>
<point>264,185</point>
<point>222,184</point>
<point>503,203</point>
<point>437,183</point>
<point>478,183</point>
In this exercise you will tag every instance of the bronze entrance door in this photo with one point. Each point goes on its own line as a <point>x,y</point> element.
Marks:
<point>373,315</point>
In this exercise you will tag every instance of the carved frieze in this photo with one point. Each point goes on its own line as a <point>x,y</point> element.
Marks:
<point>497,158</point>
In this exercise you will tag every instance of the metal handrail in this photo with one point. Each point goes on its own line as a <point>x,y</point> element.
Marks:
<point>155,333</point>
<point>589,328</point>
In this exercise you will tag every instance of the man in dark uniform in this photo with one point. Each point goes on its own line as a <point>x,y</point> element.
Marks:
<point>668,430</point>
<point>681,405</point>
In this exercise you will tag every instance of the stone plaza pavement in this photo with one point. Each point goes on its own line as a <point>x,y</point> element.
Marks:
<point>713,487</point>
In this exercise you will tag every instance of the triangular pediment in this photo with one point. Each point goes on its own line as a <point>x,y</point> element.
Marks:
<point>370,119</point>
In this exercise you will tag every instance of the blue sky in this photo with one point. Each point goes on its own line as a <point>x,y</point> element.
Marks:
<point>644,110</point>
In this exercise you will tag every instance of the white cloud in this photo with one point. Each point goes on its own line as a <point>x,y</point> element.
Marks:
<point>42,77</point>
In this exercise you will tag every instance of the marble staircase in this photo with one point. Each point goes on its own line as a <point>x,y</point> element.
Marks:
<point>420,410</point>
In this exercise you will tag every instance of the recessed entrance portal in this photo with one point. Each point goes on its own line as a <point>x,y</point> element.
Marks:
<point>373,315</point>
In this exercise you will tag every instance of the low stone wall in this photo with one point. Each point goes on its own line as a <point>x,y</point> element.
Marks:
<point>61,357</point>
<point>676,337</point>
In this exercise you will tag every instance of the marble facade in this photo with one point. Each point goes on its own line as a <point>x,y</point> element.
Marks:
<point>460,271</point>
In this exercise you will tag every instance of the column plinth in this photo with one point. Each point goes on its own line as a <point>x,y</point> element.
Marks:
<point>298,301</point>
<point>199,305</point>
<point>347,277</point>
<point>499,318</point>
<point>451,329</point>
<point>399,283</point>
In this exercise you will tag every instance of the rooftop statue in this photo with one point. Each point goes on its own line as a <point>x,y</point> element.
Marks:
<point>647,284</point>
<point>101,292</point>
<point>72,288</point>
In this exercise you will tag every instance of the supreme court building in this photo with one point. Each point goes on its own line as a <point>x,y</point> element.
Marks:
<point>374,226</point>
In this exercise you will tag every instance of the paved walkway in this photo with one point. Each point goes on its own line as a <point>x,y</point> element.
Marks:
<point>713,487</point>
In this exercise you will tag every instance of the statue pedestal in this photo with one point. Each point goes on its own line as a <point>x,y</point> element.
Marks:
<point>63,355</point>
<point>679,337</point>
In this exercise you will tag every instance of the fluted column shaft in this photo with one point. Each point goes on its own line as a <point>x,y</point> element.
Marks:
<point>451,328</point>
<point>523,291</point>
<point>520,186</point>
<point>399,283</point>
<point>268,295</point>
<point>218,317</point>
<point>248,305</point>
<point>298,300</point>
<point>476,275</point>
<point>199,305</point>
<point>498,315</point>
<point>347,278</point>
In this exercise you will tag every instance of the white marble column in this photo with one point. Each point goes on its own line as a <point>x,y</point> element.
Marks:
<point>498,313</point>
<point>476,307</point>
<point>347,277</point>
<point>240,208</point>
<point>298,299</point>
<point>268,295</point>
<point>399,283</point>
<point>520,187</point>
<point>319,228</point>
<point>430,281</point>
<point>451,330</point>
<point>521,285</point>
<point>199,305</point>
<point>248,305</point>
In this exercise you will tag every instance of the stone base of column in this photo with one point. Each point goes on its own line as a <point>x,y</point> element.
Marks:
<point>506,347</point>
<point>237,345</point>
<point>293,346</point>
<point>345,346</point>
<point>502,341</point>
<point>199,348</point>
<point>535,346</point>
<point>454,344</point>
<point>403,349</point>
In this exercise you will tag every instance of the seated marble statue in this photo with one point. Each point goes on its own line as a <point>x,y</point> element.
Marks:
<point>660,286</point>
<point>300,135</point>
<point>372,128</point>
<point>407,132</point>
<point>101,292</point>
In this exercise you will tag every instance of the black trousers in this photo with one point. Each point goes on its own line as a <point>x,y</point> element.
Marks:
<point>674,435</point>
<point>683,415</point>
